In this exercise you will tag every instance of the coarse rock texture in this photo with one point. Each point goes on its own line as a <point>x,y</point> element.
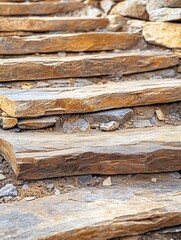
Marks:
<point>37,123</point>
<point>37,68</point>
<point>154,4</point>
<point>47,24</point>
<point>95,213</point>
<point>163,34</point>
<point>77,42</point>
<point>131,8</point>
<point>165,14</point>
<point>38,102</point>
<point>46,155</point>
<point>8,122</point>
<point>39,8</point>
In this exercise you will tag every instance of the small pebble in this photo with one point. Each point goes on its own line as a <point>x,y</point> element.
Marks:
<point>107,182</point>
<point>2,177</point>
<point>7,198</point>
<point>110,126</point>
<point>154,180</point>
<point>25,186</point>
<point>57,192</point>
<point>29,198</point>
<point>50,186</point>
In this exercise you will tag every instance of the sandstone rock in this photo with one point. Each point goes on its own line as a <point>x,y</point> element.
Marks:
<point>133,25</point>
<point>79,125</point>
<point>8,191</point>
<point>49,24</point>
<point>165,14</point>
<point>2,177</point>
<point>76,42</point>
<point>160,115</point>
<point>8,122</point>
<point>155,149</point>
<point>107,182</point>
<point>38,102</point>
<point>38,8</point>
<point>22,68</point>
<point>131,8</point>
<point>37,123</point>
<point>163,34</point>
<point>152,4</point>
<point>118,115</point>
<point>142,123</point>
<point>110,126</point>
<point>106,5</point>
<point>95,213</point>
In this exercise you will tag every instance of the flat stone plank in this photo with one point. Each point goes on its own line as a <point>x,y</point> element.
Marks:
<point>48,24</point>
<point>37,68</point>
<point>39,8</point>
<point>163,34</point>
<point>77,42</point>
<point>38,102</point>
<point>45,155</point>
<point>37,123</point>
<point>91,213</point>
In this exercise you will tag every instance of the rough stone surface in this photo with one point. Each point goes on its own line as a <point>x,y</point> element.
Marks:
<point>163,34</point>
<point>38,8</point>
<point>14,69</point>
<point>48,24</point>
<point>79,125</point>
<point>131,8</point>
<point>153,4</point>
<point>165,14</point>
<point>8,191</point>
<point>110,126</point>
<point>118,115</point>
<point>76,42</point>
<point>119,152</point>
<point>8,122</point>
<point>101,214</point>
<point>142,123</point>
<point>37,123</point>
<point>39,102</point>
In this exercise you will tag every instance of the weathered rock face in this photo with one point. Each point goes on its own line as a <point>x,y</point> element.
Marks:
<point>131,8</point>
<point>153,4</point>
<point>39,8</point>
<point>34,103</point>
<point>15,69</point>
<point>68,43</point>
<point>8,122</point>
<point>101,214</point>
<point>163,34</point>
<point>48,24</point>
<point>121,152</point>
<point>165,14</point>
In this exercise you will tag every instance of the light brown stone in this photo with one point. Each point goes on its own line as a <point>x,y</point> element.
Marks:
<point>160,115</point>
<point>77,42</point>
<point>163,34</point>
<point>37,68</point>
<point>39,102</point>
<point>165,14</point>
<point>44,155</point>
<point>47,24</point>
<point>131,8</point>
<point>8,122</point>
<point>38,8</point>
<point>37,123</point>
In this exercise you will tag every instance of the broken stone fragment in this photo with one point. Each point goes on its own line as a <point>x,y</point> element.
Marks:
<point>165,14</point>
<point>118,115</point>
<point>37,123</point>
<point>106,5</point>
<point>8,122</point>
<point>160,115</point>
<point>110,126</point>
<point>142,124</point>
<point>163,34</point>
<point>79,125</point>
<point>8,191</point>
<point>155,4</point>
<point>132,8</point>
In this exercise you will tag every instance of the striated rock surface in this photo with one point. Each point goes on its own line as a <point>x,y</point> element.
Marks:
<point>154,4</point>
<point>163,34</point>
<point>68,43</point>
<point>47,24</point>
<point>45,155</point>
<point>131,8</point>
<point>165,14</point>
<point>38,8</point>
<point>38,102</point>
<point>104,213</point>
<point>37,68</point>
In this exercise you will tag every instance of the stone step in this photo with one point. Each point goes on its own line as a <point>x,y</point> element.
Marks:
<point>129,209</point>
<point>76,42</point>
<point>39,8</point>
<point>45,155</point>
<point>55,67</point>
<point>38,102</point>
<point>48,24</point>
